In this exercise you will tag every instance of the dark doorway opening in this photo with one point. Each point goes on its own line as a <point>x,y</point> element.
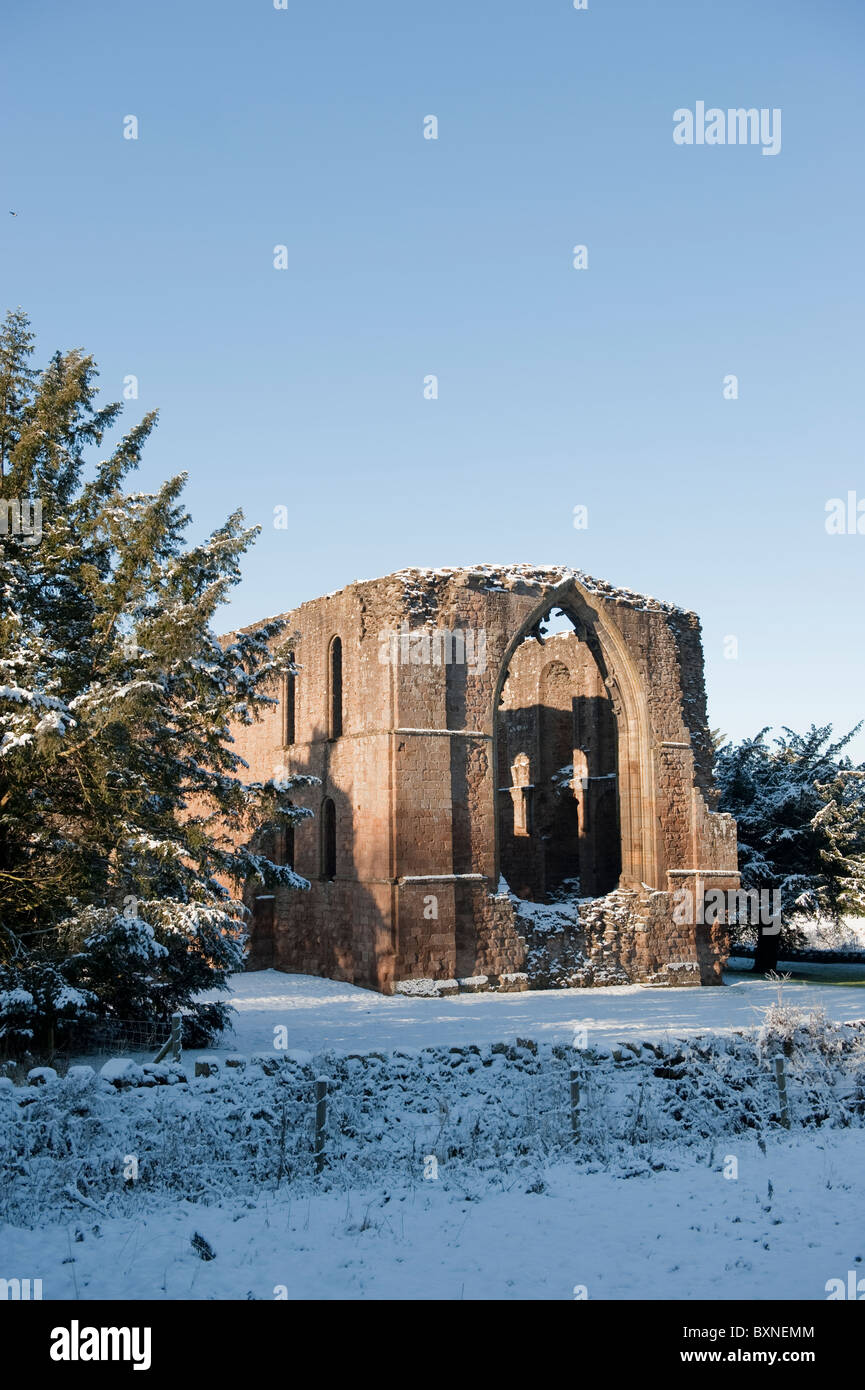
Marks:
<point>261,934</point>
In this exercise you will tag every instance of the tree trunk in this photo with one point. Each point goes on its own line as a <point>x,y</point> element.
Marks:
<point>768,949</point>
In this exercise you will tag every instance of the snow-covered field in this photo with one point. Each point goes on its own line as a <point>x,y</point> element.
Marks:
<point>323,1014</point>
<point>683,1234</point>
<point>683,1185</point>
<point>849,934</point>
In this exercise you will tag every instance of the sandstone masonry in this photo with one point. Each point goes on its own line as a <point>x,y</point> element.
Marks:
<point>456,746</point>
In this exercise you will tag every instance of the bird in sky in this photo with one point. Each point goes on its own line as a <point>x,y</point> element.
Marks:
<point>13,214</point>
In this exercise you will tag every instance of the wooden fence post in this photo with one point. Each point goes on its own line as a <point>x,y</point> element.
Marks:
<point>172,1043</point>
<point>575,1103</point>
<point>781,1079</point>
<point>320,1120</point>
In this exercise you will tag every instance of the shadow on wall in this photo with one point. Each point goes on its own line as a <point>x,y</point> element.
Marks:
<point>340,928</point>
<point>557,798</point>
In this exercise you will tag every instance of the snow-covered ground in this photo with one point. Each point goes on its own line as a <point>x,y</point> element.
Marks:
<point>683,1185</point>
<point>849,934</point>
<point>682,1233</point>
<point>323,1014</point>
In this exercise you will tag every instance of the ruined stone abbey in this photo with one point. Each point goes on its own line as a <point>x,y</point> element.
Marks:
<point>499,751</point>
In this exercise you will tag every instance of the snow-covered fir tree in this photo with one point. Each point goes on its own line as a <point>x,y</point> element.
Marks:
<point>799,804</point>
<point>126,826</point>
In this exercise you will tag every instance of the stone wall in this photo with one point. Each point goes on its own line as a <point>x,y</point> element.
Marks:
<point>414,774</point>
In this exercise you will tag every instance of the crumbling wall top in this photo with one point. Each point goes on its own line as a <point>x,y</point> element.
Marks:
<point>422,592</point>
<point>526,579</point>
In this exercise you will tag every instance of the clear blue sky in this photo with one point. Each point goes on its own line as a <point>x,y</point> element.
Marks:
<point>408,256</point>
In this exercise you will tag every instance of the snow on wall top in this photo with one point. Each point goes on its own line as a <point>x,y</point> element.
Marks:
<point>525,578</point>
<point>521,578</point>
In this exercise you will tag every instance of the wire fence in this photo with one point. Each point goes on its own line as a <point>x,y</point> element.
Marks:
<point>471,1116</point>
<point>118,1037</point>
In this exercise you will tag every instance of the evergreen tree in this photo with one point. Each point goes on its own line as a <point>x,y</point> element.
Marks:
<point>800,809</point>
<point>126,827</point>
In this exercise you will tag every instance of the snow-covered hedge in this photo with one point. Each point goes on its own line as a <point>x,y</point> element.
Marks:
<point>485,1114</point>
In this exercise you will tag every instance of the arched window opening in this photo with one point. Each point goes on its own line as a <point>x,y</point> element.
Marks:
<point>288,704</point>
<point>328,839</point>
<point>557,763</point>
<point>335,692</point>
